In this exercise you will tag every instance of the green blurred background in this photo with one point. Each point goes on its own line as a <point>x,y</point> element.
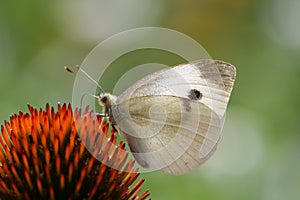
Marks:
<point>258,156</point>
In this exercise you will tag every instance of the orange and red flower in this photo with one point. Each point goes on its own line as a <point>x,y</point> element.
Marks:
<point>43,157</point>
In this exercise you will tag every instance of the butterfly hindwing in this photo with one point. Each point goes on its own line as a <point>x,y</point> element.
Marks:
<point>163,131</point>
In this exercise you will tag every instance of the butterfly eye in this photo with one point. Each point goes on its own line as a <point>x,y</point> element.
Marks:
<point>104,99</point>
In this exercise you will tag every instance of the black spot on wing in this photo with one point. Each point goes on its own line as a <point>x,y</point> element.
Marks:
<point>195,94</point>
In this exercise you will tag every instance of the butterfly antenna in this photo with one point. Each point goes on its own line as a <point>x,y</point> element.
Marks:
<point>84,75</point>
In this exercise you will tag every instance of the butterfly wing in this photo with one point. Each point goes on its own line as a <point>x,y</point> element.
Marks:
<point>213,78</point>
<point>167,123</point>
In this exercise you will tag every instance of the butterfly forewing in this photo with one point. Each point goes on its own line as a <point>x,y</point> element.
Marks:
<point>213,79</point>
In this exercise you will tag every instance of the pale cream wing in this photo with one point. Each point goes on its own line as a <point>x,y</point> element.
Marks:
<point>172,119</point>
<point>169,133</point>
<point>214,79</point>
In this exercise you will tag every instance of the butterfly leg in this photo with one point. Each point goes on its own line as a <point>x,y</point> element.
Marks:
<point>106,115</point>
<point>101,114</point>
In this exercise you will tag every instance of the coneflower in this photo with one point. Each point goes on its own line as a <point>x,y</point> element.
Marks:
<point>43,157</point>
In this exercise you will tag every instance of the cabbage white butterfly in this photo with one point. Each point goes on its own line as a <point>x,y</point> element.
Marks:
<point>172,119</point>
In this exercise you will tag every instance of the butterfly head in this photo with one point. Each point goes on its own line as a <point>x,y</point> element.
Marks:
<point>107,100</point>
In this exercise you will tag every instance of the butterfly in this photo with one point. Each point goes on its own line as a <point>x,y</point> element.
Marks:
<point>172,119</point>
